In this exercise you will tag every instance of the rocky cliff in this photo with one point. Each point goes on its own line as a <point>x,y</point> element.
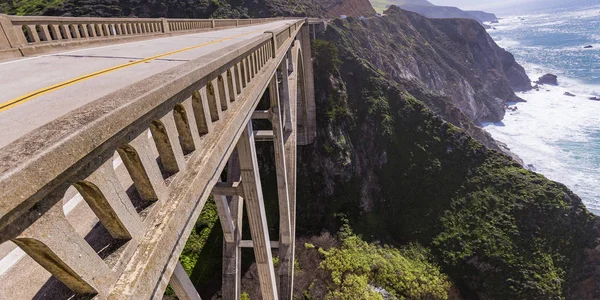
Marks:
<point>441,215</point>
<point>449,12</point>
<point>451,57</point>
<point>482,16</point>
<point>403,175</point>
<point>382,5</point>
<point>354,8</point>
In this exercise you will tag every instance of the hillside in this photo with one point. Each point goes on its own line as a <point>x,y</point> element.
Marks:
<point>187,9</point>
<point>403,175</point>
<point>482,15</point>
<point>455,58</point>
<point>402,195</point>
<point>382,5</point>
<point>449,12</point>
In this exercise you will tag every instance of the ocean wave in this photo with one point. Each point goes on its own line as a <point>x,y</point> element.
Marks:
<point>590,12</point>
<point>557,134</point>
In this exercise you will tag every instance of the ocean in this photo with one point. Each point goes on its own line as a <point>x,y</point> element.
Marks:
<point>556,135</point>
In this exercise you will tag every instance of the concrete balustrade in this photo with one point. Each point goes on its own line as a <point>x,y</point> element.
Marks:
<point>175,133</point>
<point>27,35</point>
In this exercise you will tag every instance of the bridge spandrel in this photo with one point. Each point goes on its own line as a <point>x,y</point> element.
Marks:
<point>163,141</point>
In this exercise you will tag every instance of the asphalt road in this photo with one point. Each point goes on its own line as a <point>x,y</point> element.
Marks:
<point>22,77</point>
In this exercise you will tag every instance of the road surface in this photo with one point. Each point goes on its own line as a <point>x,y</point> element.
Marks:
<point>29,96</point>
<point>37,90</point>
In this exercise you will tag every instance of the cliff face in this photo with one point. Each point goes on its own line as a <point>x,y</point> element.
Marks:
<point>482,16</point>
<point>453,57</point>
<point>449,12</point>
<point>355,8</point>
<point>382,5</point>
<point>402,174</point>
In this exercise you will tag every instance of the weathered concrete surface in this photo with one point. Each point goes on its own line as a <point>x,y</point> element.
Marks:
<point>125,114</point>
<point>23,76</point>
<point>33,35</point>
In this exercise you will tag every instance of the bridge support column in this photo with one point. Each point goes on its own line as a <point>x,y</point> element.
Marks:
<point>285,253</point>
<point>9,42</point>
<point>183,286</point>
<point>165,25</point>
<point>285,92</point>
<point>232,256</point>
<point>307,125</point>
<point>257,217</point>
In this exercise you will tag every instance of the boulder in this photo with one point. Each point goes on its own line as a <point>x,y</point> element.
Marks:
<point>595,98</point>
<point>588,47</point>
<point>494,22</point>
<point>550,79</point>
<point>569,94</point>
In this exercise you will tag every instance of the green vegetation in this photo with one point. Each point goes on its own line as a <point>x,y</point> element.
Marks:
<point>448,208</point>
<point>199,236</point>
<point>165,8</point>
<point>358,269</point>
<point>29,7</point>
<point>403,176</point>
<point>325,54</point>
<point>382,5</point>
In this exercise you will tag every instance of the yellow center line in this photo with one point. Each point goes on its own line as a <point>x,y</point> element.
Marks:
<point>6,105</point>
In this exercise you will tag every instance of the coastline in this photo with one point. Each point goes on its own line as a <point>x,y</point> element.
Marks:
<point>554,134</point>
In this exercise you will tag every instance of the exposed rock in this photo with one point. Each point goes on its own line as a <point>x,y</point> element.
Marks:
<point>569,94</point>
<point>595,98</point>
<point>453,57</point>
<point>483,16</point>
<point>355,8</point>
<point>495,22</point>
<point>550,79</point>
<point>449,12</point>
<point>588,47</point>
<point>435,186</point>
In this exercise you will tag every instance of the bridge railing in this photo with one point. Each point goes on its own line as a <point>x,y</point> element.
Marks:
<point>26,35</point>
<point>173,133</point>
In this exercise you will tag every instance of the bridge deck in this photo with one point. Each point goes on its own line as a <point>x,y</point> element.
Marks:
<point>86,75</point>
<point>38,90</point>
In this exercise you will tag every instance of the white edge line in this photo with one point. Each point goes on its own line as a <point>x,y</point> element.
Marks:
<point>11,259</point>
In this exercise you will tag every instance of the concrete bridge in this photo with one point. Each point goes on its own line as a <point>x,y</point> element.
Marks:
<point>110,150</point>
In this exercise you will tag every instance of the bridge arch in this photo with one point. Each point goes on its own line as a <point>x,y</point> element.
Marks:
<point>191,123</point>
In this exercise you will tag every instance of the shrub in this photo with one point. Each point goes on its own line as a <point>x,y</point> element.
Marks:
<point>325,55</point>
<point>358,269</point>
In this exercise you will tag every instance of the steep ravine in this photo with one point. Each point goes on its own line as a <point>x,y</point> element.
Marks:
<point>428,209</point>
<point>436,213</point>
<point>403,175</point>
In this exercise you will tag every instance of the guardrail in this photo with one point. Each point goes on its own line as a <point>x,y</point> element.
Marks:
<point>173,131</point>
<point>26,35</point>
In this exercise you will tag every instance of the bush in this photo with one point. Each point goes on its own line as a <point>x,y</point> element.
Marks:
<point>360,270</point>
<point>325,55</point>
